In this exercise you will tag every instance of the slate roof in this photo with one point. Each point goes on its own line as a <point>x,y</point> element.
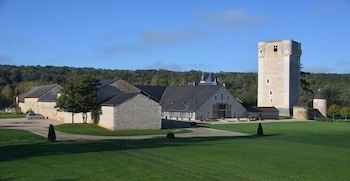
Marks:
<point>51,95</point>
<point>109,92</point>
<point>119,99</point>
<point>37,92</point>
<point>186,99</point>
<point>155,92</point>
<point>106,92</point>
<point>125,86</point>
<point>116,92</point>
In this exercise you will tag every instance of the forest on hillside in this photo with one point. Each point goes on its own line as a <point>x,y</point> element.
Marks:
<point>15,80</point>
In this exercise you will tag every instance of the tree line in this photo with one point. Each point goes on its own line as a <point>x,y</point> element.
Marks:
<point>15,80</point>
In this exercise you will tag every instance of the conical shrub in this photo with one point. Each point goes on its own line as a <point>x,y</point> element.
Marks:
<point>51,135</point>
<point>260,131</point>
<point>170,135</point>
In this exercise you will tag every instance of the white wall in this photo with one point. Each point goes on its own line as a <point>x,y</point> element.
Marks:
<point>47,109</point>
<point>107,117</point>
<point>66,117</point>
<point>180,116</point>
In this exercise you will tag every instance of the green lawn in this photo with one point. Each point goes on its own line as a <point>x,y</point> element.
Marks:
<point>92,129</point>
<point>4,115</point>
<point>311,151</point>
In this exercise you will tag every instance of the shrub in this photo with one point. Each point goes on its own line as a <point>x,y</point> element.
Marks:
<point>260,131</point>
<point>170,135</point>
<point>51,135</point>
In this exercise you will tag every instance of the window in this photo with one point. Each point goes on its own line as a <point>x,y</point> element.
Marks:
<point>270,92</point>
<point>268,81</point>
<point>216,97</point>
<point>222,97</point>
<point>275,48</point>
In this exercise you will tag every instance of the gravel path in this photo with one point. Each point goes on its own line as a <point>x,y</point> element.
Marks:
<point>40,127</point>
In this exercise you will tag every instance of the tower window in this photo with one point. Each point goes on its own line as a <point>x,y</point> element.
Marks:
<point>275,48</point>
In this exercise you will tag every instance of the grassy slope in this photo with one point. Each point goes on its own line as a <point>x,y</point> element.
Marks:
<point>296,151</point>
<point>91,129</point>
<point>11,115</point>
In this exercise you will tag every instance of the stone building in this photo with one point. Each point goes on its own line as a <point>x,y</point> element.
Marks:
<point>279,75</point>
<point>123,106</point>
<point>204,101</point>
<point>40,99</point>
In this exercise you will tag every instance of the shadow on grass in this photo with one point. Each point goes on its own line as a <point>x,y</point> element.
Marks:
<point>15,152</point>
<point>7,178</point>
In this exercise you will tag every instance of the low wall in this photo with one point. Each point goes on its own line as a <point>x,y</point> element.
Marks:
<point>66,117</point>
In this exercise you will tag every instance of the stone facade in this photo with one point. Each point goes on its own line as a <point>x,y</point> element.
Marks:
<point>206,111</point>
<point>49,111</point>
<point>279,75</point>
<point>222,96</point>
<point>301,113</point>
<point>139,112</point>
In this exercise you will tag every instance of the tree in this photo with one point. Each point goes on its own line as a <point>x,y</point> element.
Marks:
<point>4,102</point>
<point>87,89</point>
<point>69,99</point>
<point>260,131</point>
<point>51,136</point>
<point>345,111</point>
<point>8,95</point>
<point>333,110</point>
<point>79,95</point>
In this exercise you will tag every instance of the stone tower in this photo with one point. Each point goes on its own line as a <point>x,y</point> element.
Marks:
<point>279,75</point>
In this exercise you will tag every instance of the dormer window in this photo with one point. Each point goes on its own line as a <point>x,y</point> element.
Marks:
<point>275,48</point>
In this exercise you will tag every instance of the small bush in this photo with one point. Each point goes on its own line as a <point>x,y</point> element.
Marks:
<point>260,131</point>
<point>51,135</point>
<point>170,135</point>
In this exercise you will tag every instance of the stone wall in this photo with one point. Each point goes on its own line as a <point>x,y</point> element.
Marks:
<point>47,109</point>
<point>223,96</point>
<point>66,117</point>
<point>139,112</point>
<point>301,113</point>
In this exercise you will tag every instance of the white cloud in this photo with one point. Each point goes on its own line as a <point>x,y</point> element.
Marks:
<point>6,59</point>
<point>149,39</point>
<point>175,66</point>
<point>169,37</point>
<point>233,17</point>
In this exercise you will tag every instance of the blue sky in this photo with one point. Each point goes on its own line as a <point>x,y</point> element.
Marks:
<point>208,35</point>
